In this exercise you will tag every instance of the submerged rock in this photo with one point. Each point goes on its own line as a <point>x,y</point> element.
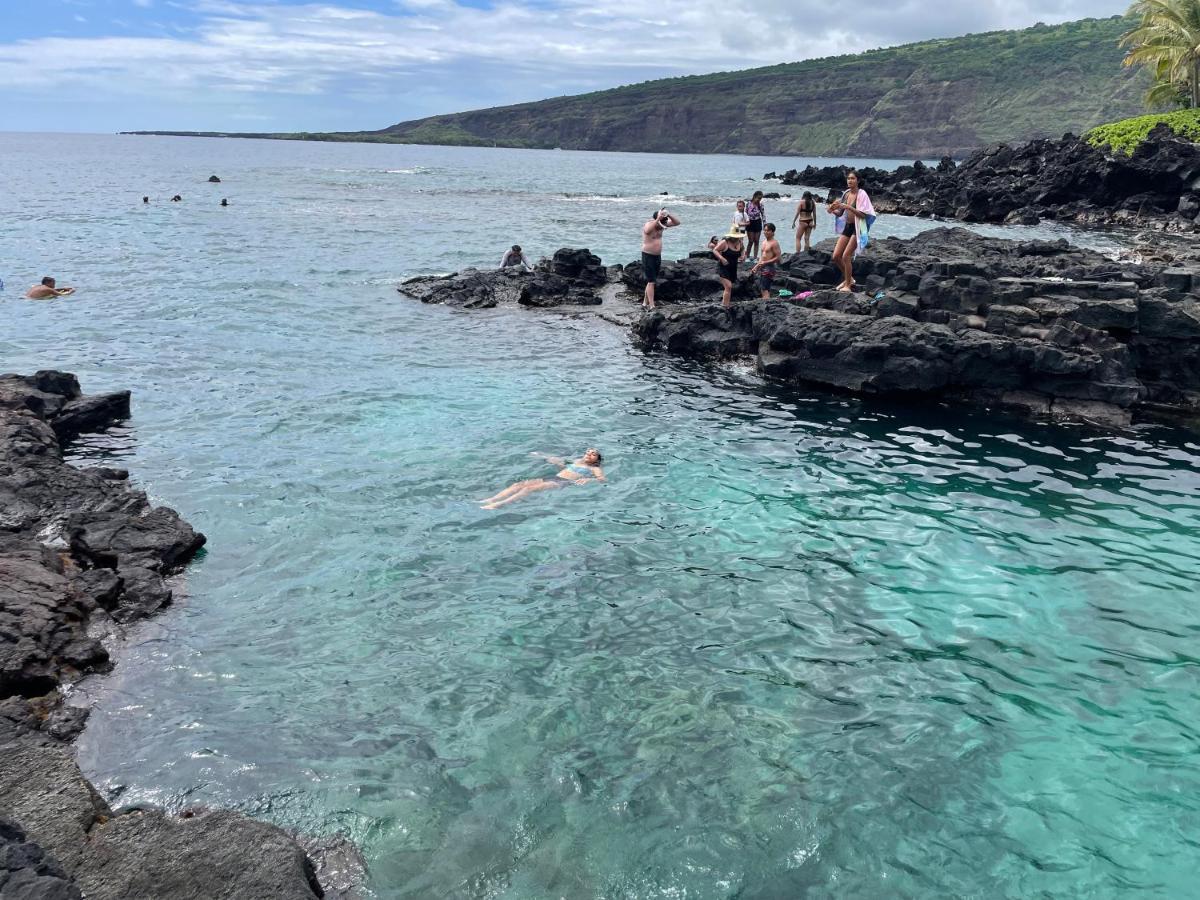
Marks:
<point>1068,180</point>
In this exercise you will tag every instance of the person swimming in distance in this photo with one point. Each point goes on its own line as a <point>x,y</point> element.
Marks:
<point>586,468</point>
<point>224,202</point>
<point>48,288</point>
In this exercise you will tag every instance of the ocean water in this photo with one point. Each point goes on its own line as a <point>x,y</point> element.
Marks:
<point>799,645</point>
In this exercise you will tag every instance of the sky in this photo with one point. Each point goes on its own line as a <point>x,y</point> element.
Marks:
<point>346,65</point>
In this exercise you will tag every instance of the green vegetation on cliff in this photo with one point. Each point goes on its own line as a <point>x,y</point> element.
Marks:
<point>1127,135</point>
<point>947,96</point>
<point>925,99</point>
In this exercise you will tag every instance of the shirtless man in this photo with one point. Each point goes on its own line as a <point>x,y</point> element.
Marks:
<point>652,235</point>
<point>768,259</point>
<point>47,289</point>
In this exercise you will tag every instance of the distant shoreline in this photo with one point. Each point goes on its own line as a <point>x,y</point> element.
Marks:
<point>341,137</point>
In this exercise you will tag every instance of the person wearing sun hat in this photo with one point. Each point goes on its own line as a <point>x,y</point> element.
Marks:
<point>727,252</point>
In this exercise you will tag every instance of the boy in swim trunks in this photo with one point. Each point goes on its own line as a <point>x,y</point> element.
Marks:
<point>767,261</point>
<point>652,234</point>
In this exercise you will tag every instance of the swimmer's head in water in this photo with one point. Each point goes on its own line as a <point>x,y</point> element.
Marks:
<point>48,281</point>
<point>592,457</point>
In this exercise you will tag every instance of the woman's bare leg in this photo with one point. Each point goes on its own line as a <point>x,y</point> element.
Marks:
<point>528,488</point>
<point>838,252</point>
<point>508,491</point>
<point>726,293</point>
<point>848,261</point>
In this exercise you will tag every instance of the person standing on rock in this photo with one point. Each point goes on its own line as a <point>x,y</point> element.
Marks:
<point>652,237</point>
<point>728,252</point>
<point>805,221</point>
<point>854,212</point>
<point>756,215</point>
<point>765,267</point>
<point>740,219</point>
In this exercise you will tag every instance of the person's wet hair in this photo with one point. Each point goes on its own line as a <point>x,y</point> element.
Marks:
<point>599,457</point>
<point>770,226</point>
<point>516,248</point>
<point>48,281</point>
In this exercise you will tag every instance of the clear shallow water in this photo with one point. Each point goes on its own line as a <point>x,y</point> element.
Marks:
<point>799,645</point>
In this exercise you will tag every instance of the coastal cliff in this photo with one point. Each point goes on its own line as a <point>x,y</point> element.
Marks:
<point>946,96</point>
<point>81,554</point>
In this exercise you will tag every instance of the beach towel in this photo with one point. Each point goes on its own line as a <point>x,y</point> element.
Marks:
<point>863,226</point>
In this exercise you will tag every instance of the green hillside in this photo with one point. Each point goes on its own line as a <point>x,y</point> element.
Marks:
<point>925,99</point>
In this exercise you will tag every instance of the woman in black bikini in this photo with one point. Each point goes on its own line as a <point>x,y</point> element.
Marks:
<point>804,221</point>
<point>728,252</point>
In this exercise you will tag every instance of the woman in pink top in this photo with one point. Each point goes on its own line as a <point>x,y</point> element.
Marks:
<point>853,209</point>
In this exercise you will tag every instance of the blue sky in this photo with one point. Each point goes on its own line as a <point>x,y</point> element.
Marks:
<point>287,65</point>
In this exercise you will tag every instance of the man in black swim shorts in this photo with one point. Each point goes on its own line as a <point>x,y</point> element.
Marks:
<point>652,234</point>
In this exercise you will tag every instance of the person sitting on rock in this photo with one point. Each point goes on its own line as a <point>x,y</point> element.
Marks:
<point>48,289</point>
<point>585,468</point>
<point>515,257</point>
<point>728,253</point>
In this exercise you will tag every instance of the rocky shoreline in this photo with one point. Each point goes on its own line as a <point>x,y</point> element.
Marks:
<point>82,553</point>
<point>1043,328</point>
<point>1066,180</point>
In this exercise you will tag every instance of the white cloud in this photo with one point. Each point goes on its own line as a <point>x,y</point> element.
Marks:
<point>263,48</point>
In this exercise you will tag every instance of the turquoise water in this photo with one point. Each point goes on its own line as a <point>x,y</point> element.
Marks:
<point>798,646</point>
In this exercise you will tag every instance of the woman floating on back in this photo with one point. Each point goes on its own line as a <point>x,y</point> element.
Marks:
<point>586,468</point>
